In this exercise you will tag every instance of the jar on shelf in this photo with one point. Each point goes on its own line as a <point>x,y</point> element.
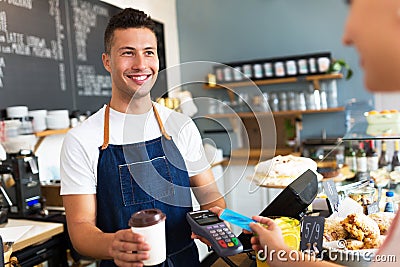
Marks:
<point>364,196</point>
<point>331,93</point>
<point>265,102</point>
<point>291,99</point>
<point>310,100</point>
<point>283,104</point>
<point>247,71</point>
<point>323,98</point>
<point>258,103</point>
<point>302,66</point>
<point>258,71</point>
<point>279,69</point>
<point>312,64</point>
<point>228,74</point>
<point>301,101</point>
<point>273,102</point>
<point>268,70</point>
<point>237,73</point>
<point>291,68</point>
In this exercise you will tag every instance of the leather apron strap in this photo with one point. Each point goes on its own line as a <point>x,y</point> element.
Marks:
<point>106,138</point>
<point>160,124</point>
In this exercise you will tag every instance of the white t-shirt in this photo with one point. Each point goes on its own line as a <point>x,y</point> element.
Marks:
<point>80,150</point>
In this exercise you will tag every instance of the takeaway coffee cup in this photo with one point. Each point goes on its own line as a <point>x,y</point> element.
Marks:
<point>151,224</point>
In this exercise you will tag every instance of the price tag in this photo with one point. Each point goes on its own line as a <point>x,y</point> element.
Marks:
<point>332,194</point>
<point>312,231</point>
<point>373,208</point>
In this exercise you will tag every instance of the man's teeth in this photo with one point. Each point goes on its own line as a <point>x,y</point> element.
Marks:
<point>139,78</point>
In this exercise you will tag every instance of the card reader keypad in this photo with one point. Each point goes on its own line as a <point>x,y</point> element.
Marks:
<point>223,235</point>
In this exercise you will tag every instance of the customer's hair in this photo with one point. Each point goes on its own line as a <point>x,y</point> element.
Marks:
<point>127,18</point>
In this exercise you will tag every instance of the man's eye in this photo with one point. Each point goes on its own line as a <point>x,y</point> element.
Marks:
<point>127,53</point>
<point>149,53</point>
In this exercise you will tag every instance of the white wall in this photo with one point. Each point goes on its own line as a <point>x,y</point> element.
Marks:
<point>163,11</point>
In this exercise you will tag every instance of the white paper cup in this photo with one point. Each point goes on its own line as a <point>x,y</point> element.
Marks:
<point>151,224</point>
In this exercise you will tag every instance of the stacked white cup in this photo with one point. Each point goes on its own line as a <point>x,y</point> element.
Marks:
<point>39,119</point>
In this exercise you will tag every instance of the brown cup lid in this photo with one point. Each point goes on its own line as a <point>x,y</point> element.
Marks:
<point>147,217</point>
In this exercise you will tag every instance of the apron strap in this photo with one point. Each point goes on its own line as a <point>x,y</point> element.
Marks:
<point>106,127</point>
<point>106,138</point>
<point>160,124</point>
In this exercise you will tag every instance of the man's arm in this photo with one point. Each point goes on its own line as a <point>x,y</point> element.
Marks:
<point>89,240</point>
<point>206,191</point>
<point>81,220</point>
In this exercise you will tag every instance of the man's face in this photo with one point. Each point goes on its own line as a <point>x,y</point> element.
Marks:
<point>132,62</point>
<point>373,28</point>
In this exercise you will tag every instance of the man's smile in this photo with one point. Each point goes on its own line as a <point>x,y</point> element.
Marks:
<point>139,78</point>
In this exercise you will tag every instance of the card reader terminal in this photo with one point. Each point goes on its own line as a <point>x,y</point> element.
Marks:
<point>207,224</point>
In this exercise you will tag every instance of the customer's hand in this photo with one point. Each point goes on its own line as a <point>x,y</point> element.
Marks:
<point>268,235</point>
<point>128,248</point>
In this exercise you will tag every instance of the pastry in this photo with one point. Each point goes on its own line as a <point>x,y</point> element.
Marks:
<point>334,230</point>
<point>282,170</point>
<point>383,219</point>
<point>361,227</point>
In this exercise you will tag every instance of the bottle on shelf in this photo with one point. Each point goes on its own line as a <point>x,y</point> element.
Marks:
<point>371,183</point>
<point>395,158</point>
<point>372,157</point>
<point>350,158</point>
<point>361,157</point>
<point>383,162</point>
<point>390,206</point>
<point>371,187</point>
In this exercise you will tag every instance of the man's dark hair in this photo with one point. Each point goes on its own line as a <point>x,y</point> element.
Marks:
<point>127,18</point>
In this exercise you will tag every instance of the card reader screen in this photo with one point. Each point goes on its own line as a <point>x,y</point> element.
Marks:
<point>207,220</point>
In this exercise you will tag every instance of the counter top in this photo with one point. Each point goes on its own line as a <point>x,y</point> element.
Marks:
<point>40,231</point>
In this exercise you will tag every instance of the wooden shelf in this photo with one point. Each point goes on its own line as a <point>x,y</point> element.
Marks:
<point>278,113</point>
<point>43,134</point>
<point>311,78</point>
<point>51,132</point>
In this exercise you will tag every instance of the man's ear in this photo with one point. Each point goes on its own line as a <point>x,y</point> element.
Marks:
<point>106,61</point>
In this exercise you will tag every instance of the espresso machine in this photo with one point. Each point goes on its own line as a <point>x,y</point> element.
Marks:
<point>20,184</point>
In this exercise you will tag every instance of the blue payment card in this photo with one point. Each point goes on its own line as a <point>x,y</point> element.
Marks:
<point>236,219</point>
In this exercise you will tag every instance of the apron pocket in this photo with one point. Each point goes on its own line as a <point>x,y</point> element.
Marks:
<point>145,181</point>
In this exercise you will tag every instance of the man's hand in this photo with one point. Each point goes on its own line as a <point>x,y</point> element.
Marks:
<point>202,239</point>
<point>128,248</point>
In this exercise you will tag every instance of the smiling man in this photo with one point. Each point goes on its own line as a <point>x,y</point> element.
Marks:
<point>133,154</point>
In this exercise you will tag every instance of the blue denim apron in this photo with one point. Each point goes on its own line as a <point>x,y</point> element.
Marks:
<point>150,174</point>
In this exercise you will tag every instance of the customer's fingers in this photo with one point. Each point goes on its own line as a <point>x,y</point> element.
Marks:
<point>257,228</point>
<point>265,221</point>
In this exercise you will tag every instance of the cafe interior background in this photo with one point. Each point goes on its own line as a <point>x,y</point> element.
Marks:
<point>227,31</point>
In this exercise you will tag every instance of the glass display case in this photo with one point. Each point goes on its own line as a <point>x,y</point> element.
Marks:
<point>364,131</point>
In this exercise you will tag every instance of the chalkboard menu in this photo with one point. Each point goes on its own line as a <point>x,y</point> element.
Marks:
<point>50,54</point>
